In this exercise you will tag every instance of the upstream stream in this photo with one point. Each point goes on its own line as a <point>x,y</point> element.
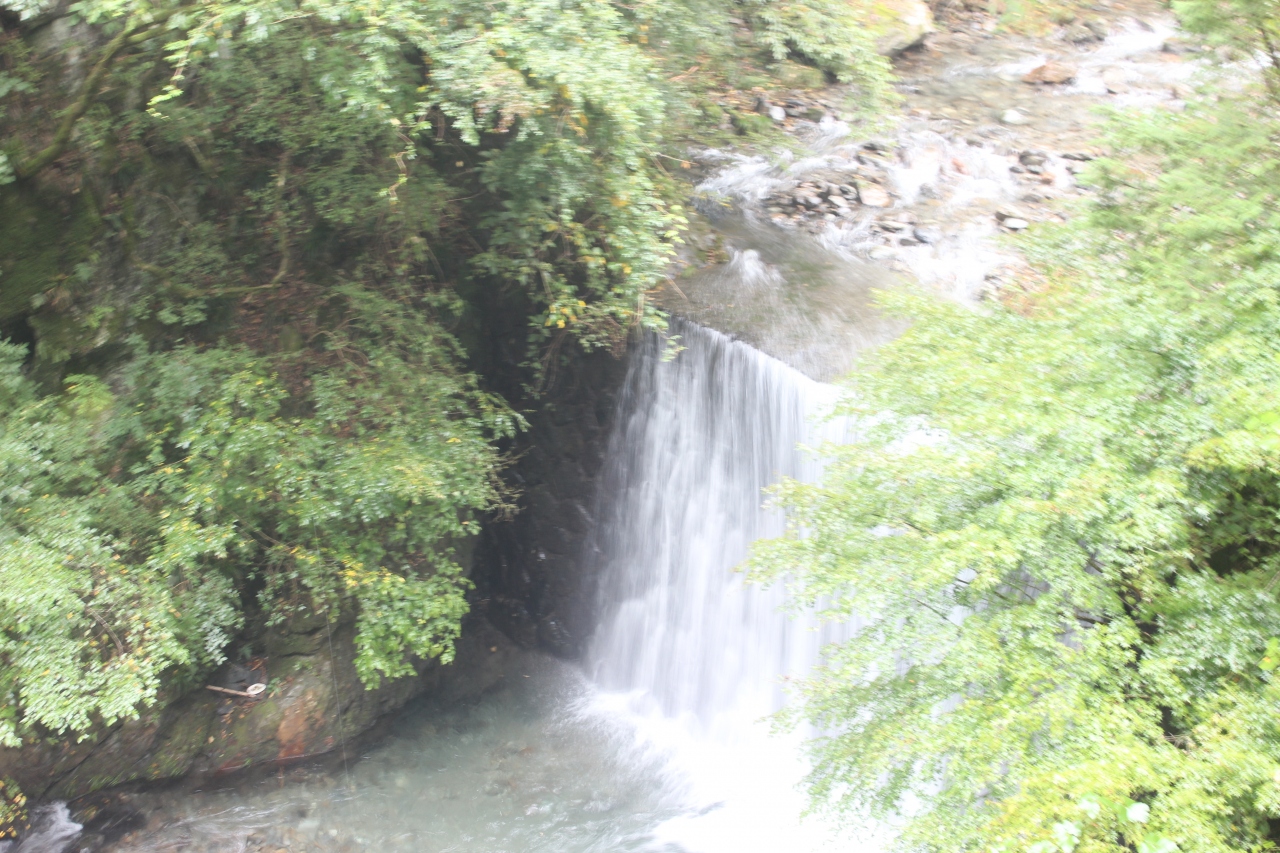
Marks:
<point>659,740</point>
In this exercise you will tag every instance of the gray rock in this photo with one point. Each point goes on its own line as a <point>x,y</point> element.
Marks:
<point>1115,80</point>
<point>928,234</point>
<point>1178,45</point>
<point>778,114</point>
<point>1082,33</point>
<point>1014,224</point>
<point>1013,118</point>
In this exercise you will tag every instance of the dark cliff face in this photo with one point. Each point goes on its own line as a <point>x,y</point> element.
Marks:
<point>533,569</point>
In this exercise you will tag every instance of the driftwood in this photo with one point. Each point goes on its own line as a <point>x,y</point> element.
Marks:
<point>253,692</point>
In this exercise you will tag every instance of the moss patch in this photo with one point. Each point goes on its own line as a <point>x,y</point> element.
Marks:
<point>44,237</point>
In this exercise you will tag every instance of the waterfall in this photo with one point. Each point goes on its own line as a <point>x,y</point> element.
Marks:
<point>683,644</point>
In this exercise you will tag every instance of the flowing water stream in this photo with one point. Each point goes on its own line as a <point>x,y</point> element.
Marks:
<point>660,741</point>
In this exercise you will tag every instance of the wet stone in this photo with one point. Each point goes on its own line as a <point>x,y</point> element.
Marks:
<point>1115,80</point>
<point>927,234</point>
<point>1051,73</point>
<point>872,195</point>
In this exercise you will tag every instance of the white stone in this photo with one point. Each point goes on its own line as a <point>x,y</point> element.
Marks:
<point>872,195</point>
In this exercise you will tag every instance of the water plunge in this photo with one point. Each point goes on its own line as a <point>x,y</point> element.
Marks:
<point>695,656</point>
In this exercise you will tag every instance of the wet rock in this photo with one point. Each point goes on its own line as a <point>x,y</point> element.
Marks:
<point>1015,224</point>
<point>1115,80</point>
<point>1032,157</point>
<point>927,234</point>
<point>1085,32</point>
<point>1052,72</point>
<point>1179,46</point>
<point>1013,118</point>
<point>897,25</point>
<point>892,225</point>
<point>1078,156</point>
<point>1007,211</point>
<point>872,195</point>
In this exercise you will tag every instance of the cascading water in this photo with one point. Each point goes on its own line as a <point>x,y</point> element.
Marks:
<point>695,656</point>
<point>699,438</point>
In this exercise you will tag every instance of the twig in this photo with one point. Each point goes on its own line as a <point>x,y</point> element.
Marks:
<point>88,92</point>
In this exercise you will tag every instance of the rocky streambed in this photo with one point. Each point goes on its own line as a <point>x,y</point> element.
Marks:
<point>993,130</point>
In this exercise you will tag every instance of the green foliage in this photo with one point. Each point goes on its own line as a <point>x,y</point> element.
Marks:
<point>13,809</point>
<point>1248,27</point>
<point>548,114</point>
<point>138,514</point>
<point>1060,527</point>
<point>286,200</point>
<point>830,33</point>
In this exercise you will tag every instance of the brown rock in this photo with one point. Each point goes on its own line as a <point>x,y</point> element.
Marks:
<point>1052,72</point>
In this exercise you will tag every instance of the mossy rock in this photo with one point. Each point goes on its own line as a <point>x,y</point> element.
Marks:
<point>44,237</point>
<point>751,124</point>
<point>793,75</point>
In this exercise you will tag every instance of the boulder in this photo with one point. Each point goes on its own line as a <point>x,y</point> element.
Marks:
<point>872,195</point>
<point>1052,73</point>
<point>899,24</point>
<point>1115,80</point>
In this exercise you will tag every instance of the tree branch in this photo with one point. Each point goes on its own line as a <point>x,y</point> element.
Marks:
<point>89,91</point>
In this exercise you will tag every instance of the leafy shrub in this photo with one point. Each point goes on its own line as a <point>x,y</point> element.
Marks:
<point>1061,527</point>
<point>140,513</point>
